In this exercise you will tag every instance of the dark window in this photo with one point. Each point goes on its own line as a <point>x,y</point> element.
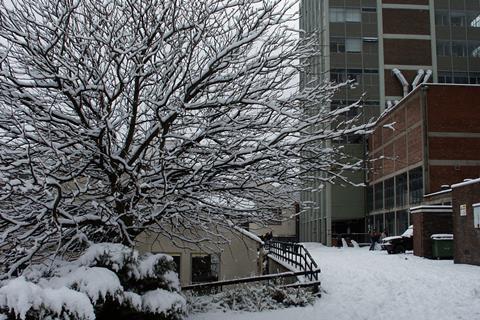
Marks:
<point>176,260</point>
<point>355,75</point>
<point>390,222</point>
<point>459,49</point>
<point>402,221</point>
<point>457,18</point>
<point>460,77</point>
<point>338,75</point>
<point>379,196</point>
<point>416,185</point>
<point>205,268</point>
<point>337,45</point>
<point>445,77</point>
<point>369,9</point>
<point>444,48</point>
<point>474,77</point>
<point>401,189</point>
<point>442,18</point>
<point>389,186</point>
<point>370,198</point>
<point>379,222</point>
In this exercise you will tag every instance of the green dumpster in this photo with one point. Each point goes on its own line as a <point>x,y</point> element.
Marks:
<point>442,246</point>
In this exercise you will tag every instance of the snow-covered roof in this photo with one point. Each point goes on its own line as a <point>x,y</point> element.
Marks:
<point>249,234</point>
<point>464,183</point>
<point>431,208</point>
<point>438,193</point>
<point>442,236</point>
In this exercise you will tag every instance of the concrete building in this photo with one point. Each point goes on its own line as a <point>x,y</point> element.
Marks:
<point>428,140</point>
<point>233,253</point>
<point>388,47</point>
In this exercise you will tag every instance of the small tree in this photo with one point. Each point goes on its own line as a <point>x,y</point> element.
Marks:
<point>118,116</point>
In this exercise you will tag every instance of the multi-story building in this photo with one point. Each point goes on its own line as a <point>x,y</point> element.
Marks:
<point>428,141</point>
<point>387,47</point>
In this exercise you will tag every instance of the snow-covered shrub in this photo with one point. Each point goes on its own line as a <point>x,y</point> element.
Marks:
<point>107,281</point>
<point>251,298</point>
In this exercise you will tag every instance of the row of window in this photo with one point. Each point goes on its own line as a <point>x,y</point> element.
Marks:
<point>392,222</point>
<point>459,77</point>
<point>369,76</point>
<point>457,18</point>
<point>353,15</point>
<point>353,45</point>
<point>458,48</point>
<point>393,192</point>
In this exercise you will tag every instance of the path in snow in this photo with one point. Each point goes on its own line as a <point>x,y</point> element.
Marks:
<point>362,284</point>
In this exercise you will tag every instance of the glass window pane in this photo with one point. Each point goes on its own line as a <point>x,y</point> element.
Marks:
<point>416,185</point>
<point>353,45</point>
<point>353,15</point>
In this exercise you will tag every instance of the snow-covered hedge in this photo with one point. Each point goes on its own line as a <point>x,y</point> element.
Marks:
<point>251,298</point>
<point>109,281</point>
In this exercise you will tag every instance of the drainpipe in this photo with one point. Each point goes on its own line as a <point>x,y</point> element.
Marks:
<point>427,76</point>
<point>402,80</point>
<point>417,79</point>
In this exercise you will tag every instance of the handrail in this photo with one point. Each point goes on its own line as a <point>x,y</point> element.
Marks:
<point>266,277</point>
<point>294,254</point>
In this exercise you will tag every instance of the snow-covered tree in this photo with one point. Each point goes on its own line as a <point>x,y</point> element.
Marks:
<point>117,116</point>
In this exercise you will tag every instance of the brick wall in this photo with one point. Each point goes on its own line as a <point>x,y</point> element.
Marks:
<point>424,225</point>
<point>466,237</point>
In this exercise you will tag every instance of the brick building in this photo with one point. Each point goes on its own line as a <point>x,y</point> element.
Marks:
<point>466,221</point>
<point>388,47</point>
<point>428,140</point>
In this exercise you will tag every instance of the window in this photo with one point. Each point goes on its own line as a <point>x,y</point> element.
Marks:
<point>369,9</point>
<point>379,196</point>
<point>460,77</point>
<point>442,18</point>
<point>474,49</point>
<point>416,185</point>
<point>370,198</point>
<point>337,45</point>
<point>459,49</point>
<point>353,45</point>
<point>457,18</point>
<point>476,215</point>
<point>205,267</point>
<point>474,20</point>
<point>401,190</point>
<point>390,222</point>
<point>445,77</point>
<point>353,15</point>
<point>345,15</point>
<point>443,48</point>
<point>337,15</point>
<point>389,193</point>
<point>355,75</point>
<point>176,260</point>
<point>338,75</point>
<point>474,77</point>
<point>402,221</point>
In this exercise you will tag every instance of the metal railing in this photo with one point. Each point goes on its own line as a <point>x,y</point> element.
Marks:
<point>295,255</point>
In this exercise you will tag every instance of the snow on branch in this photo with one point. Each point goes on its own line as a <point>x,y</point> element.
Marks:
<point>121,116</point>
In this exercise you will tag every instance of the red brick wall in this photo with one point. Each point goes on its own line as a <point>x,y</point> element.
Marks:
<point>454,148</point>
<point>466,237</point>
<point>440,175</point>
<point>407,51</point>
<point>406,21</point>
<point>453,109</point>
<point>424,225</point>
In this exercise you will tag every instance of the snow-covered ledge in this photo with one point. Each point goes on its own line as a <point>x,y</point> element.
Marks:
<point>431,208</point>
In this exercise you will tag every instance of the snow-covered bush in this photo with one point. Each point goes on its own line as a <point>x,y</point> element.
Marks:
<point>251,298</point>
<point>107,281</point>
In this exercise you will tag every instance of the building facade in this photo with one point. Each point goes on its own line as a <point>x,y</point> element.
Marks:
<point>420,146</point>
<point>388,47</point>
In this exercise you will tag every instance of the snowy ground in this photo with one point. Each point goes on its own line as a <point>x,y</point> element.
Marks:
<point>362,284</point>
